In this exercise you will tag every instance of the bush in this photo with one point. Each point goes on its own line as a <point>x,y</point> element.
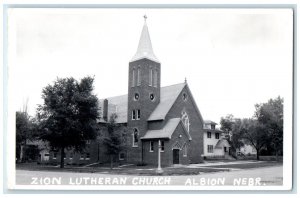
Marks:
<point>141,164</point>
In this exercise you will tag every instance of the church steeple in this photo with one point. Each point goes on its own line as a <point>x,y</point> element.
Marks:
<point>145,47</point>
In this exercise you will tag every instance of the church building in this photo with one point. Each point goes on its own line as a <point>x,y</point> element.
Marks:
<point>155,119</point>
<point>156,115</point>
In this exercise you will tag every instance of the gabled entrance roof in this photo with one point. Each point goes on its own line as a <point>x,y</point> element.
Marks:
<point>166,132</point>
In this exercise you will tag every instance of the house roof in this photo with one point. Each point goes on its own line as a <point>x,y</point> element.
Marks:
<point>209,122</point>
<point>214,130</point>
<point>118,104</point>
<point>222,143</point>
<point>166,132</point>
<point>144,49</point>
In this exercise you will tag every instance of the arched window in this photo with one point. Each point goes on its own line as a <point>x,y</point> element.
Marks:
<point>135,137</point>
<point>133,78</point>
<point>185,120</point>
<point>185,150</point>
<point>155,78</point>
<point>139,77</point>
<point>150,77</point>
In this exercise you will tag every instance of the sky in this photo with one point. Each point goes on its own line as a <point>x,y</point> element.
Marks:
<point>231,58</point>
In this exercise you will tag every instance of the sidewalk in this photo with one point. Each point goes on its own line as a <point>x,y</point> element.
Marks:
<point>216,163</point>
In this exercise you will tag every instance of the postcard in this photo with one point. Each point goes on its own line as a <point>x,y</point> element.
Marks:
<point>115,98</point>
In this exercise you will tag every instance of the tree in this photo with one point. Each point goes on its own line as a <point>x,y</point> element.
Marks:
<point>227,123</point>
<point>237,137</point>
<point>23,132</point>
<point>112,140</point>
<point>231,127</point>
<point>254,134</point>
<point>270,115</point>
<point>68,116</point>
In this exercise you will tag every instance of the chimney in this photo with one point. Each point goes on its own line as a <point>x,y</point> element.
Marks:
<point>105,109</point>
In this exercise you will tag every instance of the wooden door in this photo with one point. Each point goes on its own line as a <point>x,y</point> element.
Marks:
<point>175,156</point>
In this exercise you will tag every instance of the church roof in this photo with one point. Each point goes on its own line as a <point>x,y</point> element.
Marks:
<point>165,132</point>
<point>168,95</point>
<point>118,104</point>
<point>144,49</point>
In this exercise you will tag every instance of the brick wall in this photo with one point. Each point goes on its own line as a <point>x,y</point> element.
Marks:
<point>196,124</point>
<point>144,103</point>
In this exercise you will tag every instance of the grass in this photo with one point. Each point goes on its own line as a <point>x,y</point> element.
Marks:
<point>146,170</point>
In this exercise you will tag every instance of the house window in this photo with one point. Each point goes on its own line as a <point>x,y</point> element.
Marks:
<point>87,156</point>
<point>138,114</point>
<point>162,146</point>
<point>150,77</point>
<point>46,154</point>
<point>155,78</point>
<point>54,155</point>
<point>88,141</point>
<point>133,115</point>
<point>133,78</point>
<point>210,148</point>
<point>138,77</point>
<point>217,135</point>
<point>135,139</point>
<point>208,134</point>
<point>213,126</point>
<point>121,156</point>
<point>81,156</point>
<point>185,120</point>
<point>151,146</point>
<point>185,150</point>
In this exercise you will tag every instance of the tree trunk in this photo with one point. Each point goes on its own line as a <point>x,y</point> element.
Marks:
<point>21,153</point>
<point>111,162</point>
<point>62,160</point>
<point>257,154</point>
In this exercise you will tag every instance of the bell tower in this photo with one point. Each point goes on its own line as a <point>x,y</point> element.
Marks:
<point>143,93</point>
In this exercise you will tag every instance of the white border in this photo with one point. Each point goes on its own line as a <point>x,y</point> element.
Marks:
<point>287,166</point>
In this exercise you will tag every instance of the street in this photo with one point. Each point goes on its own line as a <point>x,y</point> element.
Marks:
<point>265,176</point>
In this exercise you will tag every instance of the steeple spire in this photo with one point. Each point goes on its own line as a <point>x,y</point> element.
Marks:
<point>145,47</point>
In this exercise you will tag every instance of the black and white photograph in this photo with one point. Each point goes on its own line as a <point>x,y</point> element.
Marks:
<point>150,98</point>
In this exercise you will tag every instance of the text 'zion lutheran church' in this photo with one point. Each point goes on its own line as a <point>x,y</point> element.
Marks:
<point>151,115</point>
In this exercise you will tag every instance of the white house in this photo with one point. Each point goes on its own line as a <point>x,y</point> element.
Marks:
<point>246,150</point>
<point>215,144</point>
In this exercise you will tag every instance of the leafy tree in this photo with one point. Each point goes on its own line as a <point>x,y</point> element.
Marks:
<point>23,133</point>
<point>112,139</point>
<point>237,137</point>
<point>270,115</point>
<point>254,134</point>
<point>231,127</point>
<point>227,123</point>
<point>68,116</point>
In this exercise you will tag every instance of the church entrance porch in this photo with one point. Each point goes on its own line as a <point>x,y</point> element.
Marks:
<point>175,156</point>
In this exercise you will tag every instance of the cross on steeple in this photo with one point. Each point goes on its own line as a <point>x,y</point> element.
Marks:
<point>145,17</point>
